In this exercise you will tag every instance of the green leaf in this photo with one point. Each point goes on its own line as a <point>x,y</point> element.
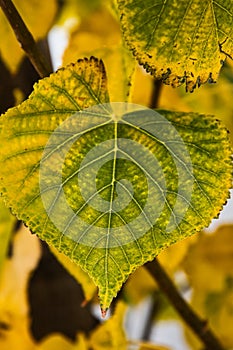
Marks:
<point>184,41</point>
<point>109,187</point>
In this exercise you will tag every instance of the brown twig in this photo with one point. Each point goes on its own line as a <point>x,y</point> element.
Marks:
<point>25,38</point>
<point>156,91</point>
<point>199,326</point>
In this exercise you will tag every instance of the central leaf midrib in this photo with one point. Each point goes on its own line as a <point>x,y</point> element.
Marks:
<point>113,177</point>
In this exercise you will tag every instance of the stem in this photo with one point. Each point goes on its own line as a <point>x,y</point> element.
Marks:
<point>199,326</point>
<point>157,87</point>
<point>25,38</point>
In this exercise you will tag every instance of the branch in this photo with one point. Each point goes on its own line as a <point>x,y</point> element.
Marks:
<point>25,38</point>
<point>199,327</point>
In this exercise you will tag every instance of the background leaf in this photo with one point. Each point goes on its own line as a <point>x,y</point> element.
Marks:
<point>179,42</point>
<point>213,253</point>
<point>99,35</point>
<point>25,132</point>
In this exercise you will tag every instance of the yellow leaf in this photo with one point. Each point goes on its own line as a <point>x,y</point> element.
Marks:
<point>179,41</point>
<point>38,16</point>
<point>173,256</point>
<point>99,35</point>
<point>137,94</point>
<point>139,285</point>
<point>211,256</point>
<point>59,342</point>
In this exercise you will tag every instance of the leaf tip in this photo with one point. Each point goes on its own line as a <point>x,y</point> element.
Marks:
<point>104,312</point>
<point>84,303</point>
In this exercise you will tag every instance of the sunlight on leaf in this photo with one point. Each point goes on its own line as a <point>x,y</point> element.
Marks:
<point>179,42</point>
<point>178,178</point>
<point>38,21</point>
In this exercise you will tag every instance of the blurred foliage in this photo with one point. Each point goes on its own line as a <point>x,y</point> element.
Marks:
<point>209,269</point>
<point>99,35</point>
<point>207,259</point>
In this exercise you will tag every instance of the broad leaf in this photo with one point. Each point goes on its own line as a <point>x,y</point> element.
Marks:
<point>38,16</point>
<point>179,41</point>
<point>110,187</point>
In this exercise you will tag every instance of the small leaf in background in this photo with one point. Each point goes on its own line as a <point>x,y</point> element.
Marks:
<point>10,49</point>
<point>172,257</point>
<point>177,166</point>
<point>179,42</point>
<point>215,254</point>
<point>99,35</point>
